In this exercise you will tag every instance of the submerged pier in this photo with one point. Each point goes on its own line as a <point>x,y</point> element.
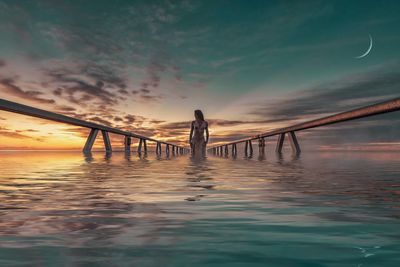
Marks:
<point>290,131</point>
<point>221,149</point>
<point>94,129</point>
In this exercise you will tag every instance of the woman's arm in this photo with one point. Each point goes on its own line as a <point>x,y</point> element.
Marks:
<point>207,134</point>
<point>191,133</point>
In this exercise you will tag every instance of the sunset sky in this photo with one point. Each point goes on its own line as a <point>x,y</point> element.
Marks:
<point>251,66</point>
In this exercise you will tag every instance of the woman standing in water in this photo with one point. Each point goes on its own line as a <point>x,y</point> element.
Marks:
<point>196,138</point>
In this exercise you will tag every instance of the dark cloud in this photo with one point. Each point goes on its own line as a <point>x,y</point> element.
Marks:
<point>13,134</point>
<point>348,93</point>
<point>153,75</point>
<point>85,84</point>
<point>123,92</point>
<point>101,121</point>
<point>120,40</point>
<point>8,85</point>
<point>65,109</point>
<point>150,98</point>
<point>157,121</point>
<point>105,75</point>
<point>337,96</point>
<point>57,92</point>
<point>118,119</point>
<point>133,119</point>
<point>175,125</point>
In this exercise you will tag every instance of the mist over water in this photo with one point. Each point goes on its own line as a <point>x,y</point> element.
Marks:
<point>318,209</point>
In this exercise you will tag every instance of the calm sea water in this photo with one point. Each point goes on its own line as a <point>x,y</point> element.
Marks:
<point>320,209</point>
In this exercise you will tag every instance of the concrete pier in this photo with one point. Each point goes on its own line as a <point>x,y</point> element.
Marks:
<point>106,140</point>
<point>90,140</point>
<point>371,110</point>
<point>294,143</point>
<point>127,143</point>
<point>279,144</point>
<point>14,107</point>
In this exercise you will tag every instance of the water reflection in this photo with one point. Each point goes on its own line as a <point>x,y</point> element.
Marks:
<point>199,173</point>
<point>335,203</point>
<point>88,156</point>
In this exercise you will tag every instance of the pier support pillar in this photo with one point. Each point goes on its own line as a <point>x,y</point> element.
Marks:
<point>279,144</point>
<point>127,143</point>
<point>90,140</point>
<point>158,148</point>
<point>107,142</point>
<point>261,145</point>
<point>139,149</point>
<point>248,149</point>
<point>167,150</point>
<point>145,146</point>
<point>294,144</point>
<point>226,151</point>
<point>234,150</point>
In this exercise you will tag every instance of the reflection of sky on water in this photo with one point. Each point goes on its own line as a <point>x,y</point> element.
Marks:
<point>69,200</point>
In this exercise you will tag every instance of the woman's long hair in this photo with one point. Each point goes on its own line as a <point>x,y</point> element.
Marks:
<point>198,114</point>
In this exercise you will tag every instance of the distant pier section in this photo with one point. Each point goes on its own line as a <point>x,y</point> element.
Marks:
<point>371,110</point>
<point>94,129</point>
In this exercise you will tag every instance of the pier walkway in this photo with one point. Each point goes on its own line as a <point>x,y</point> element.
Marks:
<point>94,129</point>
<point>371,110</point>
<point>220,149</point>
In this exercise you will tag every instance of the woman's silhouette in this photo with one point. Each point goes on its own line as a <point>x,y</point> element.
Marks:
<point>196,138</point>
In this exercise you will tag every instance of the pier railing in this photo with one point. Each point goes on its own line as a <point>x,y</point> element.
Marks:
<point>371,110</point>
<point>95,128</point>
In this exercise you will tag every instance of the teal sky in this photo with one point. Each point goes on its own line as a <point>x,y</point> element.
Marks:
<point>239,61</point>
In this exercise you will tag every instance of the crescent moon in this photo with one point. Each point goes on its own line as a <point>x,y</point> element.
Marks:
<point>369,48</point>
